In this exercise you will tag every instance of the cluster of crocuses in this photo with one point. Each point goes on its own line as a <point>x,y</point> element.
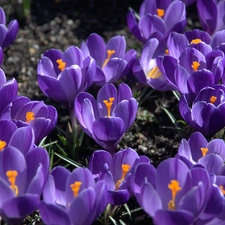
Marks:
<point>187,189</point>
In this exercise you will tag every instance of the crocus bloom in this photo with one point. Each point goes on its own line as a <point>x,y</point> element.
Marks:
<point>72,198</point>
<point>146,69</point>
<point>21,138</point>
<point>109,117</point>
<point>111,59</point>
<point>67,72</point>
<point>211,14</point>
<point>206,113</point>
<point>157,19</point>
<point>22,178</point>
<point>7,34</point>
<point>178,195</point>
<point>8,91</point>
<point>41,117</point>
<point>115,171</point>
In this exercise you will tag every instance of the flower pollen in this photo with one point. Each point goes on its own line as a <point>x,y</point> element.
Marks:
<point>108,104</point>
<point>196,41</point>
<point>125,169</point>
<point>75,188</point>
<point>174,186</point>
<point>12,174</point>
<point>195,65</point>
<point>2,145</point>
<point>61,64</point>
<point>29,117</point>
<point>154,73</point>
<point>109,55</point>
<point>212,99</point>
<point>160,12</point>
<point>204,151</point>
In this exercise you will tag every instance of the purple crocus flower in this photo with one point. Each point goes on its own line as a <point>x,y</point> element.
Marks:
<point>111,59</point>
<point>21,138</point>
<point>178,195</point>
<point>8,92</point>
<point>146,69</point>
<point>72,198</point>
<point>206,113</point>
<point>67,72</point>
<point>114,171</point>
<point>7,34</point>
<point>212,15</point>
<point>22,178</point>
<point>41,117</point>
<point>157,19</point>
<point>109,117</point>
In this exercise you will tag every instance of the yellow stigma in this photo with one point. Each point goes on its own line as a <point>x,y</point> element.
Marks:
<point>212,99</point>
<point>109,55</point>
<point>196,41</point>
<point>222,189</point>
<point>204,151</point>
<point>154,73</point>
<point>160,12</point>
<point>167,52</point>
<point>61,64</point>
<point>108,104</point>
<point>125,169</point>
<point>29,116</point>
<point>195,65</point>
<point>12,174</point>
<point>174,186</point>
<point>75,188</point>
<point>2,145</point>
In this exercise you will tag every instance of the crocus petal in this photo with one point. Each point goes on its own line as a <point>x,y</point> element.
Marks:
<point>73,56</point>
<point>118,44</point>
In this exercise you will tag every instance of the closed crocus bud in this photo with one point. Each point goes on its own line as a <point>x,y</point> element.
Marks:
<point>109,117</point>
<point>72,198</point>
<point>7,34</point>
<point>68,72</point>
<point>113,62</point>
<point>206,113</point>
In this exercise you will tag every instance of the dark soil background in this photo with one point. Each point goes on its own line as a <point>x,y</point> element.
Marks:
<point>62,23</point>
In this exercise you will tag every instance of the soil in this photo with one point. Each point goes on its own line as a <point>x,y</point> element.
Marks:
<point>62,23</point>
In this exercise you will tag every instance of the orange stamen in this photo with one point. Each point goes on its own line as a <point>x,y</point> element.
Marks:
<point>204,151</point>
<point>174,186</point>
<point>2,145</point>
<point>12,174</point>
<point>154,73</point>
<point>167,52</point>
<point>222,189</point>
<point>75,188</point>
<point>108,104</point>
<point>212,99</point>
<point>61,64</point>
<point>29,116</point>
<point>125,169</point>
<point>109,55</point>
<point>160,12</point>
<point>196,41</point>
<point>195,65</point>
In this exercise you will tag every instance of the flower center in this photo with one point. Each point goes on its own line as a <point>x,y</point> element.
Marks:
<point>167,52</point>
<point>212,99</point>
<point>12,174</point>
<point>195,65</point>
<point>196,41</point>
<point>174,186</point>
<point>222,189</point>
<point>154,73</point>
<point>204,151</point>
<point>2,145</point>
<point>29,116</point>
<point>61,64</point>
<point>108,104</point>
<point>75,188</point>
<point>109,55</point>
<point>125,169</point>
<point>160,12</point>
